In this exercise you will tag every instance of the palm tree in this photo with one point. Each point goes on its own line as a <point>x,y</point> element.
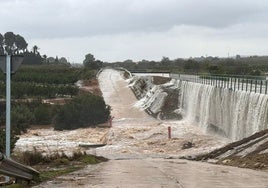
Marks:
<point>35,50</point>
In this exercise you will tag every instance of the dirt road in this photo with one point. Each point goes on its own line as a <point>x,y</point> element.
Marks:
<point>139,150</point>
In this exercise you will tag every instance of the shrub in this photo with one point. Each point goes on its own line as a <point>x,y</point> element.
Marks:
<point>21,118</point>
<point>31,157</point>
<point>14,139</point>
<point>42,114</point>
<point>83,111</point>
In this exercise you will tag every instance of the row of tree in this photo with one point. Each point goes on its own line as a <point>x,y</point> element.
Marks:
<point>46,75</point>
<point>23,90</point>
<point>13,44</point>
<point>253,65</point>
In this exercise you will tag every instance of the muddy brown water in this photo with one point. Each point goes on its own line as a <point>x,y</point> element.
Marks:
<point>141,155</point>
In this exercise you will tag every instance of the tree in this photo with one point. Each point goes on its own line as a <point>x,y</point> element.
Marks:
<point>1,44</point>
<point>191,66</point>
<point>91,62</point>
<point>89,59</point>
<point>20,43</point>
<point>83,111</point>
<point>9,40</point>
<point>35,50</point>
<point>165,60</point>
<point>63,60</point>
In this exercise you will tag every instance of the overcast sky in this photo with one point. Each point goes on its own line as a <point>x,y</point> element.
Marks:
<point>116,30</point>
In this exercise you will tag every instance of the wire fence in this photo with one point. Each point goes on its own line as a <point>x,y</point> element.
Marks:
<point>257,84</point>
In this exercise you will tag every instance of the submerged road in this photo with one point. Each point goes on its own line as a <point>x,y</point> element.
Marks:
<point>147,171</point>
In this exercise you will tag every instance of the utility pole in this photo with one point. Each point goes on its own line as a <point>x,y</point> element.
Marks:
<point>8,103</point>
<point>9,64</point>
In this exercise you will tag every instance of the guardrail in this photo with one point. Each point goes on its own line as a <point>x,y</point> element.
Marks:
<point>232,82</point>
<point>14,169</point>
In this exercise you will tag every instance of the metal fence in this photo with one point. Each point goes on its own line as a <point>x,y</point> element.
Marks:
<point>232,82</point>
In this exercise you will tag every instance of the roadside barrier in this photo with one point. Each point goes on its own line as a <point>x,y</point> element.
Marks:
<point>14,169</point>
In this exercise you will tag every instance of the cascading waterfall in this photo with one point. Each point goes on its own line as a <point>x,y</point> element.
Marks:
<point>234,114</point>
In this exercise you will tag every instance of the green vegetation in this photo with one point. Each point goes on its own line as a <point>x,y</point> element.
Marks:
<point>14,139</point>
<point>44,176</point>
<point>39,78</point>
<point>91,62</point>
<point>253,65</point>
<point>31,84</point>
<point>46,81</point>
<point>83,111</point>
<point>57,164</point>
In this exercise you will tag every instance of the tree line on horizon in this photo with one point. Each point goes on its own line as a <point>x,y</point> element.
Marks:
<point>252,65</point>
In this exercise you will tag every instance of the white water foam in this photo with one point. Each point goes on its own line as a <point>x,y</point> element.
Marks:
<point>234,114</point>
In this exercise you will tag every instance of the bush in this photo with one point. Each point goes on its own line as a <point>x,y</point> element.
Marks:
<point>21,118</point>
<point>43,115</point>
<point>83,111</point>
<point>31,157</point>
<point>14,139</point>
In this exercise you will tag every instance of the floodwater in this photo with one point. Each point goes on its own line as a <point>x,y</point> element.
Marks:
<point>142,155</point>
<point>160,173</point>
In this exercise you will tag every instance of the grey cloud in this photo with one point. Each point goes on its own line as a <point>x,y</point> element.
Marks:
<point>69,18</point>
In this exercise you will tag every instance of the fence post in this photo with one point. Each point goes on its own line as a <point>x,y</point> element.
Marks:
<point>251,85</point>
<point>261,87</point>
<point>255,86</point>
<point>234,83</point>
<point>265,86</point>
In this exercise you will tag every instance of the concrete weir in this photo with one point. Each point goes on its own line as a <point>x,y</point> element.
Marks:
<point>232,114</point>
